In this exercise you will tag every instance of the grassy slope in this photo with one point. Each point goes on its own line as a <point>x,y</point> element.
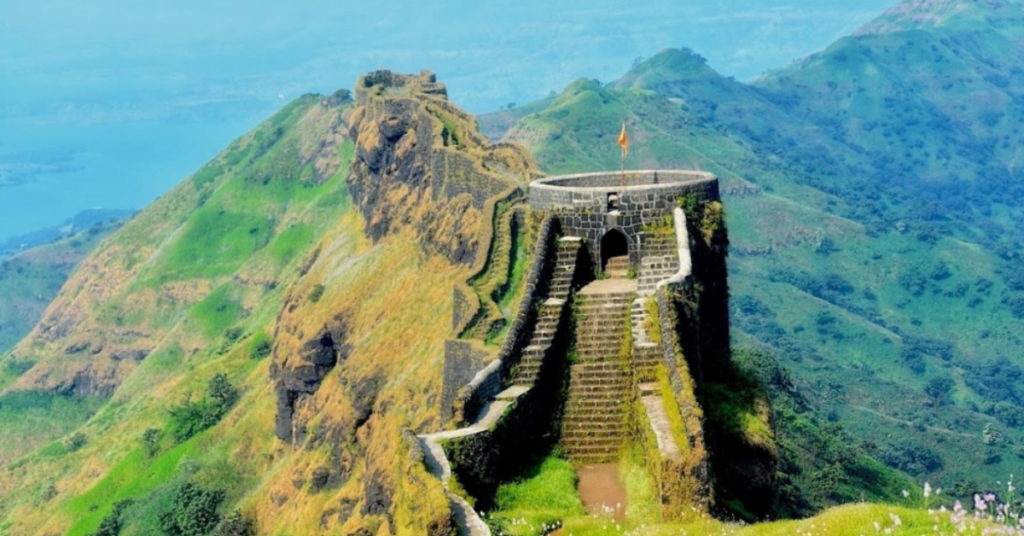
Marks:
<point>184,278</point>
<point>547,499</point>
<point>854,307</point>
<point>30,280</point>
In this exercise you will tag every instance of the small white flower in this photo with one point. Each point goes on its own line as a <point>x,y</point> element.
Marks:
<point>906,494</point>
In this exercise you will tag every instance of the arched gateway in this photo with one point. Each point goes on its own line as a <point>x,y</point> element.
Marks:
<point>614,244</point>
<point>598,207</point>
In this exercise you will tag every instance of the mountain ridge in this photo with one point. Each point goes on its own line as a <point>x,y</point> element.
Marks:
<point>869,289</point>
<point>922,14</point>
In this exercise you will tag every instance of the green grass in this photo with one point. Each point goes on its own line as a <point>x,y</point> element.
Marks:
<point>290,243</point>
<point>135,476</point>
<point>533,505</point>
<point>219,310</point>
<point>31,417</point>
<point>548,498</point>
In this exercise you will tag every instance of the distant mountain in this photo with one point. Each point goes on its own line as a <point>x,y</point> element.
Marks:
<point>76,224</point>
<point>873,209</point>
<point>931,14</point>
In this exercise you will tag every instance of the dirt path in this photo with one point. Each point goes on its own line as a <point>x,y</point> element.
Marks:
<point>601,490</point>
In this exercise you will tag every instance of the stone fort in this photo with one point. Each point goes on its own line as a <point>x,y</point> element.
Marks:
<point>619,308</point>
<point>603,350</point>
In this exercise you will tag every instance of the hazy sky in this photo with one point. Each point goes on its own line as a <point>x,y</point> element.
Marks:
<point>112,102</point>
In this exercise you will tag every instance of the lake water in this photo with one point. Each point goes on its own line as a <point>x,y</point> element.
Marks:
<point>112,102</point>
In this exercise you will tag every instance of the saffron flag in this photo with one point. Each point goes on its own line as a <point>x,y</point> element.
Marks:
<point>624,141</point>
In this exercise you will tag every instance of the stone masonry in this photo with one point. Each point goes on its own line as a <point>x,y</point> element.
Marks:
<point>581,352</point>
<point>592,204</point>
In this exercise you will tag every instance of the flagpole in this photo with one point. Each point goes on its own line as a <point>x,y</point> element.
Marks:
<point>622,183</point>
<point>624,143</point>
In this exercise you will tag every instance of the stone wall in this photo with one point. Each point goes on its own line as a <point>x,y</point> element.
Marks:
<point>582,202</point>
<point>685,483</point>
<point>462,361</point>
<point>488,382</point>
<point>410,172</point>
<point>524,435</point>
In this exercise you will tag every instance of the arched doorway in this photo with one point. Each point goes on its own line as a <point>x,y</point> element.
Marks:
<point>614,244</point>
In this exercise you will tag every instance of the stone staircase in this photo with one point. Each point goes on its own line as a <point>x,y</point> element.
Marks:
<point>617,267</point>
<point>550,311</point>
<point>659,260</point>
<point>594,425</point>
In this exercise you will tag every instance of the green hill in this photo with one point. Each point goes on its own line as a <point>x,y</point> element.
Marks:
<point>870,213</point>
<point>253,353</point>
<point>31,279</point>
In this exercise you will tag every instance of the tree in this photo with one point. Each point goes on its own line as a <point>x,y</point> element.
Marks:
<point>222,392</point>
<point>940,388</point>
<point>151,440</point>
<point>193,511</point>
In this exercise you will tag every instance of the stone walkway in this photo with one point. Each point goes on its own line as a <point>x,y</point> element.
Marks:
<point>609,286</point>
<point>467,521</point>
<point>654,404</point>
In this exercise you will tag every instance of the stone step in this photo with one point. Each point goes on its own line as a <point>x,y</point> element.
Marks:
<point>598,369</point>
<point>584,399</point>
<point>598,399</point>
<point>610,336</point>
<point>598,410</point>
<point>583,417</point>
<point>604,441</point>
<point>583,389</point>
<point>535,350</point>
<point>593,453</point>
<point>596,430</point>
<point>591,418</point>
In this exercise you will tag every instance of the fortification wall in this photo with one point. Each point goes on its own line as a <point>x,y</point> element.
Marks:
<point>487,382</point>
<point>591,204</point>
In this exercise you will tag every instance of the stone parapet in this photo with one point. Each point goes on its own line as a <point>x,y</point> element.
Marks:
<point>591,204</point>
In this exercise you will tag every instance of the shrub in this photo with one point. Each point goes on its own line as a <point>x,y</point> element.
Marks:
<point>193,511</point>
<point>222,392</point>
<point>826,247</point>
<point>49,492</point>
<point>913,459</point>
<point>75,442</point>
<point>261,346</point>
<point>151,440</point>
<point>316,293</point>
<point>233,334</point>
<point>940,389</point>
<point>1009,414</point>
<point>111,525</point>
<point>234,525</point>
<point>190,418</point>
